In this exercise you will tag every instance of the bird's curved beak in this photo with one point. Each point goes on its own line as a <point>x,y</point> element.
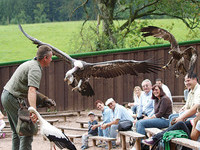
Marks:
<point>69,80</point>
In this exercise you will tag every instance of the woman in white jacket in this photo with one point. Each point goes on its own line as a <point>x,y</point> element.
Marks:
<point>137,91</point>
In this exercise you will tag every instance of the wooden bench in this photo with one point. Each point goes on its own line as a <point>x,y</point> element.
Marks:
<point>132,134</point>
<point>178,97</point>
<point>180,141</point>
<point>72,137</point>
<point>107,139</point>
<point>152,131</point>
<point>82,122</point>
<point>48,113</point>
<point>63,128</point>
<point>65,115</point>
<point>52,121</point>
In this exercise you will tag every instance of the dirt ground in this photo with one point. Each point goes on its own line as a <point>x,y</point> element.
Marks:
<point>40,144</point>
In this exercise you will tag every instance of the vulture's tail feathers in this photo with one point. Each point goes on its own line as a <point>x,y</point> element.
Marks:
<point>86,89</point>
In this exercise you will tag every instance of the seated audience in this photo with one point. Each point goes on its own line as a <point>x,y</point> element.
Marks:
<point>145,108</point>
<point>192,128</point>
<point>119,113</point>
<point>162,110</point>
<point>165,88</point>
<point>2,125</point>
<point>193,100</point>
<point>90,131</point>
<point>136,97</point>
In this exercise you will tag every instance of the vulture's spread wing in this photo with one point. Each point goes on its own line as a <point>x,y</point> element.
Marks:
<point>56,51</point>
<point>160,33</point>
<point>111,69</point>
<point>191,55</point>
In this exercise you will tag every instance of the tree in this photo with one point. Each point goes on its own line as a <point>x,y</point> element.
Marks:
<point>110,10</point>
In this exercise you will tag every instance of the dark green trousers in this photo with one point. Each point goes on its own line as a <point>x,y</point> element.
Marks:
<point>11,106</point>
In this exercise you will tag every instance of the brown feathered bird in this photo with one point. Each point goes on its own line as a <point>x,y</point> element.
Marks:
<point>78,76</point>
<point>178,56</point>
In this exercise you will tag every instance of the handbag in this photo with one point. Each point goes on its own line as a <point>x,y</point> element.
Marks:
<point>25,126</point>
<point>125,125</point>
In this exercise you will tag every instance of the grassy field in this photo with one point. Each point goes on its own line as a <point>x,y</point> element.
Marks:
<point>15,46</point>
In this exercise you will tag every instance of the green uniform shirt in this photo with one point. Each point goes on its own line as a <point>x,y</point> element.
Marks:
<point>26,75</point>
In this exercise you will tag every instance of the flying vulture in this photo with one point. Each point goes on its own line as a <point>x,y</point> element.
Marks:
<point>178,56</point>
<point>78,76</point>
<point>52,133</point>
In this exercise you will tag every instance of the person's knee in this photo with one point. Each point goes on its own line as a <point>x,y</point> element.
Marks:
<point>139,124</point>
<point>180,123</point>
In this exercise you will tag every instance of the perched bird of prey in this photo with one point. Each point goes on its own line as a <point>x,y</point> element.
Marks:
<point>178,56</point>
<point>78,76</point>
<point>52,133</point>
<point>44,101</point>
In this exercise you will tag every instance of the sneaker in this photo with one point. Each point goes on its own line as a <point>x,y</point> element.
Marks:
<point>102,145</point>
<point>148,141</point>
<point>115,146</point>
<point>99,143</point>
<point>84,147</point>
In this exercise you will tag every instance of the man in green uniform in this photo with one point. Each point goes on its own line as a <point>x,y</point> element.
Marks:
<point>23,85</point>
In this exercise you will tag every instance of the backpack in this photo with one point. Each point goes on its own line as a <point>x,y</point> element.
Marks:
<point>158,145</point>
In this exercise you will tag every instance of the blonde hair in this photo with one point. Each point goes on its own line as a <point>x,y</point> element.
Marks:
<point>137,87</point>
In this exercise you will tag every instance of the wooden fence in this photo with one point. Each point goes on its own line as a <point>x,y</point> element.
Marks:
<point>120,88</point>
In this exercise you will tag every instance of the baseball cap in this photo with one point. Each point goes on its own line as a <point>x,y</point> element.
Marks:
<point>109,101</point>
<point>91,113</point>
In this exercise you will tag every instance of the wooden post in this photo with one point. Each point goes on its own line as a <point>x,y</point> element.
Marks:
<point>65,118</point>
<point>71,139</point>
<point>109,145</point>
<point>172,146</point>
<point>79,113</point>
<point>63,131</point>
<point>81,124</point>
<point>94,142</point>
<point>123,140</point>
<point>138,144</point>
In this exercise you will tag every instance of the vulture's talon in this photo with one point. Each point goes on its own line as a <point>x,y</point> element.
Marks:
<point>76,88</point>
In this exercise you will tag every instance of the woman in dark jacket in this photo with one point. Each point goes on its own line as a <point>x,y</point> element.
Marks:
<point>162,110</point>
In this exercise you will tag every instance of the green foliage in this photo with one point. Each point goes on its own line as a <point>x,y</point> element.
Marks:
<point>38,11</point>
<point>66,36</point>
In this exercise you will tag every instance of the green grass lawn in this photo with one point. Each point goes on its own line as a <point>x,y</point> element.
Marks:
<point>15,46</point>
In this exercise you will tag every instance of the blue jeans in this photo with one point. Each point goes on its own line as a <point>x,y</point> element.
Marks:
<point>103,132</point>
<point>172,116</point>
<point>151,123</point>
<point>134,109</point>
<point>85,139</point>
<point>113,132</point>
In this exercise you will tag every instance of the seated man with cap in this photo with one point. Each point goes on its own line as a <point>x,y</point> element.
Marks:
<point>119,113</point>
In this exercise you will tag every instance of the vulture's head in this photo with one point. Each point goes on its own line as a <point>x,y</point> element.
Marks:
<point>69,78</point>
<point>69,75</point>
